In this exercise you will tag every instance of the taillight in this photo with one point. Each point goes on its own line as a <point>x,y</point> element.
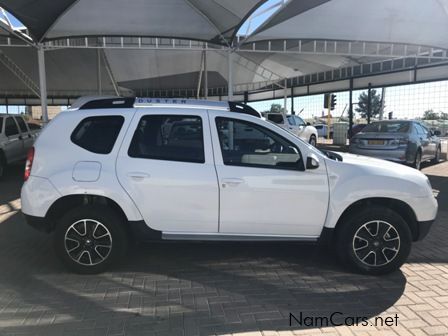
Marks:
<point>29,163</point>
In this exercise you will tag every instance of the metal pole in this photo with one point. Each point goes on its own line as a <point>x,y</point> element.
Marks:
<point>205,76</point>
<point>328,116</point>
<point>350,110</point>
<point>198,93</point>
<point>292,100</point>
<point>369,103</point>
<point>230,76</point>
<point>285,97</point>
<point>42,83</point>
<point>7,107</point>
<point>100,89</point>
<point>383,100</point>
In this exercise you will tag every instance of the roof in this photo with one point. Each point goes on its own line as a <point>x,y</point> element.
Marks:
<point>215,21</point>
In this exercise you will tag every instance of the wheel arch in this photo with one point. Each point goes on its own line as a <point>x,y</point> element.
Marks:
<point>65,203</point>
<point>402,208</point>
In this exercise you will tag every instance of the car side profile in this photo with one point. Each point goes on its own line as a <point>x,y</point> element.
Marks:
<point>108,172</point>
<point>403,141</point>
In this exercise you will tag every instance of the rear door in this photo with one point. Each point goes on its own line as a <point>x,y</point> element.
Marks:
<point>166,165</point>
<point>425,141</point>
<point>13,147</point>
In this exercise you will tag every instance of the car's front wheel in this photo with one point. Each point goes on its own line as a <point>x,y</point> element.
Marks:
<point>418,160</point>
<point>313,140</point>
<point>437,156</point>
<point>374,241</point>
<point>89,239</point>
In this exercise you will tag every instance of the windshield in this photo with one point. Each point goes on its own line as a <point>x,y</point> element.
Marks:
<point>387,127</point>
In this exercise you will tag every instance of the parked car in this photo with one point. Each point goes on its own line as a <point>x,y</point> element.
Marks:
<point>105,174</point>
<point>295,125</point>
<point>356,129</point>
<point>322,130</point>
<point>402,141</point>
<point>16,139</point>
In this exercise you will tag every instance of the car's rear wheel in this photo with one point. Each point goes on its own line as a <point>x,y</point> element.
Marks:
<point>89,239</point>
<point>437,156</point>
<point>418,160</point>
<point>374,241</point>
<point>313,140</point>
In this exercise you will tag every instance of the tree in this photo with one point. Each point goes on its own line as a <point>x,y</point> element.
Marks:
<point>276,108</point>
<point>431,115</point>
<point>375,104</point>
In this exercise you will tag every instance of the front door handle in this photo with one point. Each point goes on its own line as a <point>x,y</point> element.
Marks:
<point>138,176</point>
<point>231,182</point>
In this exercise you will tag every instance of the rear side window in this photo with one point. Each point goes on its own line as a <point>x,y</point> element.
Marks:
<point>98,134</point>
<point>22,125</point>
<point>11,127</point>
<point>169,137</point>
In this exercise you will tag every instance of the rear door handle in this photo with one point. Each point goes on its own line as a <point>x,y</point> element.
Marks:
<point>231,182</point>
<point>138,176</point>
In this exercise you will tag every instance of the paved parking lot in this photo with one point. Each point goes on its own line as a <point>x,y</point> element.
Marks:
<point>215,288</point>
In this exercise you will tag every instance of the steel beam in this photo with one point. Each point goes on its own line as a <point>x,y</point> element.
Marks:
<point>43,83</point>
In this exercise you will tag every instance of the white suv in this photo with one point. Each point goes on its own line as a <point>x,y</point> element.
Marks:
<point>114,170</point>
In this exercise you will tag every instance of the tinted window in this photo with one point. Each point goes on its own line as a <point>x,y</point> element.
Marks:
<point>247,144</point>
<point>291,120</point>
<point>276,118</point>
<point>11,127</point>
<point>387,127</point>
<point>98,134</point>
<point>22,125</point>
<point>169,137</point>
<point>299,121</point>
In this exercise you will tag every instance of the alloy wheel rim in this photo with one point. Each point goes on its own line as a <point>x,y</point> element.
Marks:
<point>88,242</point>
<point>376,243</point>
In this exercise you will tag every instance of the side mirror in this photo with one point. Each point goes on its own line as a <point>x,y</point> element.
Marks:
<point>312,162</point>
<point>308,124</point>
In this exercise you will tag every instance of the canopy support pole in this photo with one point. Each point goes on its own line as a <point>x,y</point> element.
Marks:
<point>350,109</point>
<point>285,97</point>
<point>230,76</point>
<point>201,69</point>
<point>98,53</point>
<point>292,100</point>
<point>369,103</point>
<point>205,75</point>
<point>42,83</point>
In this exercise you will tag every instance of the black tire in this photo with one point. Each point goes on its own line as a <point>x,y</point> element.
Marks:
<point>383,253</point>
<point>437,157</point>
<point>313,140</point>
<point>418,160</point>
<point>92,254</point>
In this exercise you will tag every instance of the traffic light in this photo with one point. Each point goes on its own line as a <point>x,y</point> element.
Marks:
<point>333,101</point>
<point>330,98</point>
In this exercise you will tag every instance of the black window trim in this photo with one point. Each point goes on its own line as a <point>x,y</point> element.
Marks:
<point>97,117</point>
<point>300,167</point>
<point>169,159</point>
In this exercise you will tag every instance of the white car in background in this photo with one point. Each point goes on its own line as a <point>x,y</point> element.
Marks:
<point>295,125</point>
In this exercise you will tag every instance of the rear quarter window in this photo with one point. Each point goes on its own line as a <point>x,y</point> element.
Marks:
<point>97,134</point>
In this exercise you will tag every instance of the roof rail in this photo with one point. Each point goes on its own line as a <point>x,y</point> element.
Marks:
<point>85,103</point>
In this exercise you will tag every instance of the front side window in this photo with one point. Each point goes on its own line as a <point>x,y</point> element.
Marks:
<point>169,137</point>
<point>247,144</point>
<point>299,121</point>
<point>97,134</point>
<point>11,127</point>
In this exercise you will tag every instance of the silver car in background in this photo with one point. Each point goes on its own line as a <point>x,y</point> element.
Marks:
<point>403,141</point>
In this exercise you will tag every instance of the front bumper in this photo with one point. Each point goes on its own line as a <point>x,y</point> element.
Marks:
<point>38,223</point>
<point>423,229</point>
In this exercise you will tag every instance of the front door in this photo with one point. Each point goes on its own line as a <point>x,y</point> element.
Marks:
<point>166,166</point>
<point>264,189</point>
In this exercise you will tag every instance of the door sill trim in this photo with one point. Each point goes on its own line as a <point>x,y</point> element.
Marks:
<point>234,237</point>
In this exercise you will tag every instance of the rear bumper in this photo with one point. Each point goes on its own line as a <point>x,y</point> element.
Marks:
<point>38,223</point>
<point>396,155</point>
